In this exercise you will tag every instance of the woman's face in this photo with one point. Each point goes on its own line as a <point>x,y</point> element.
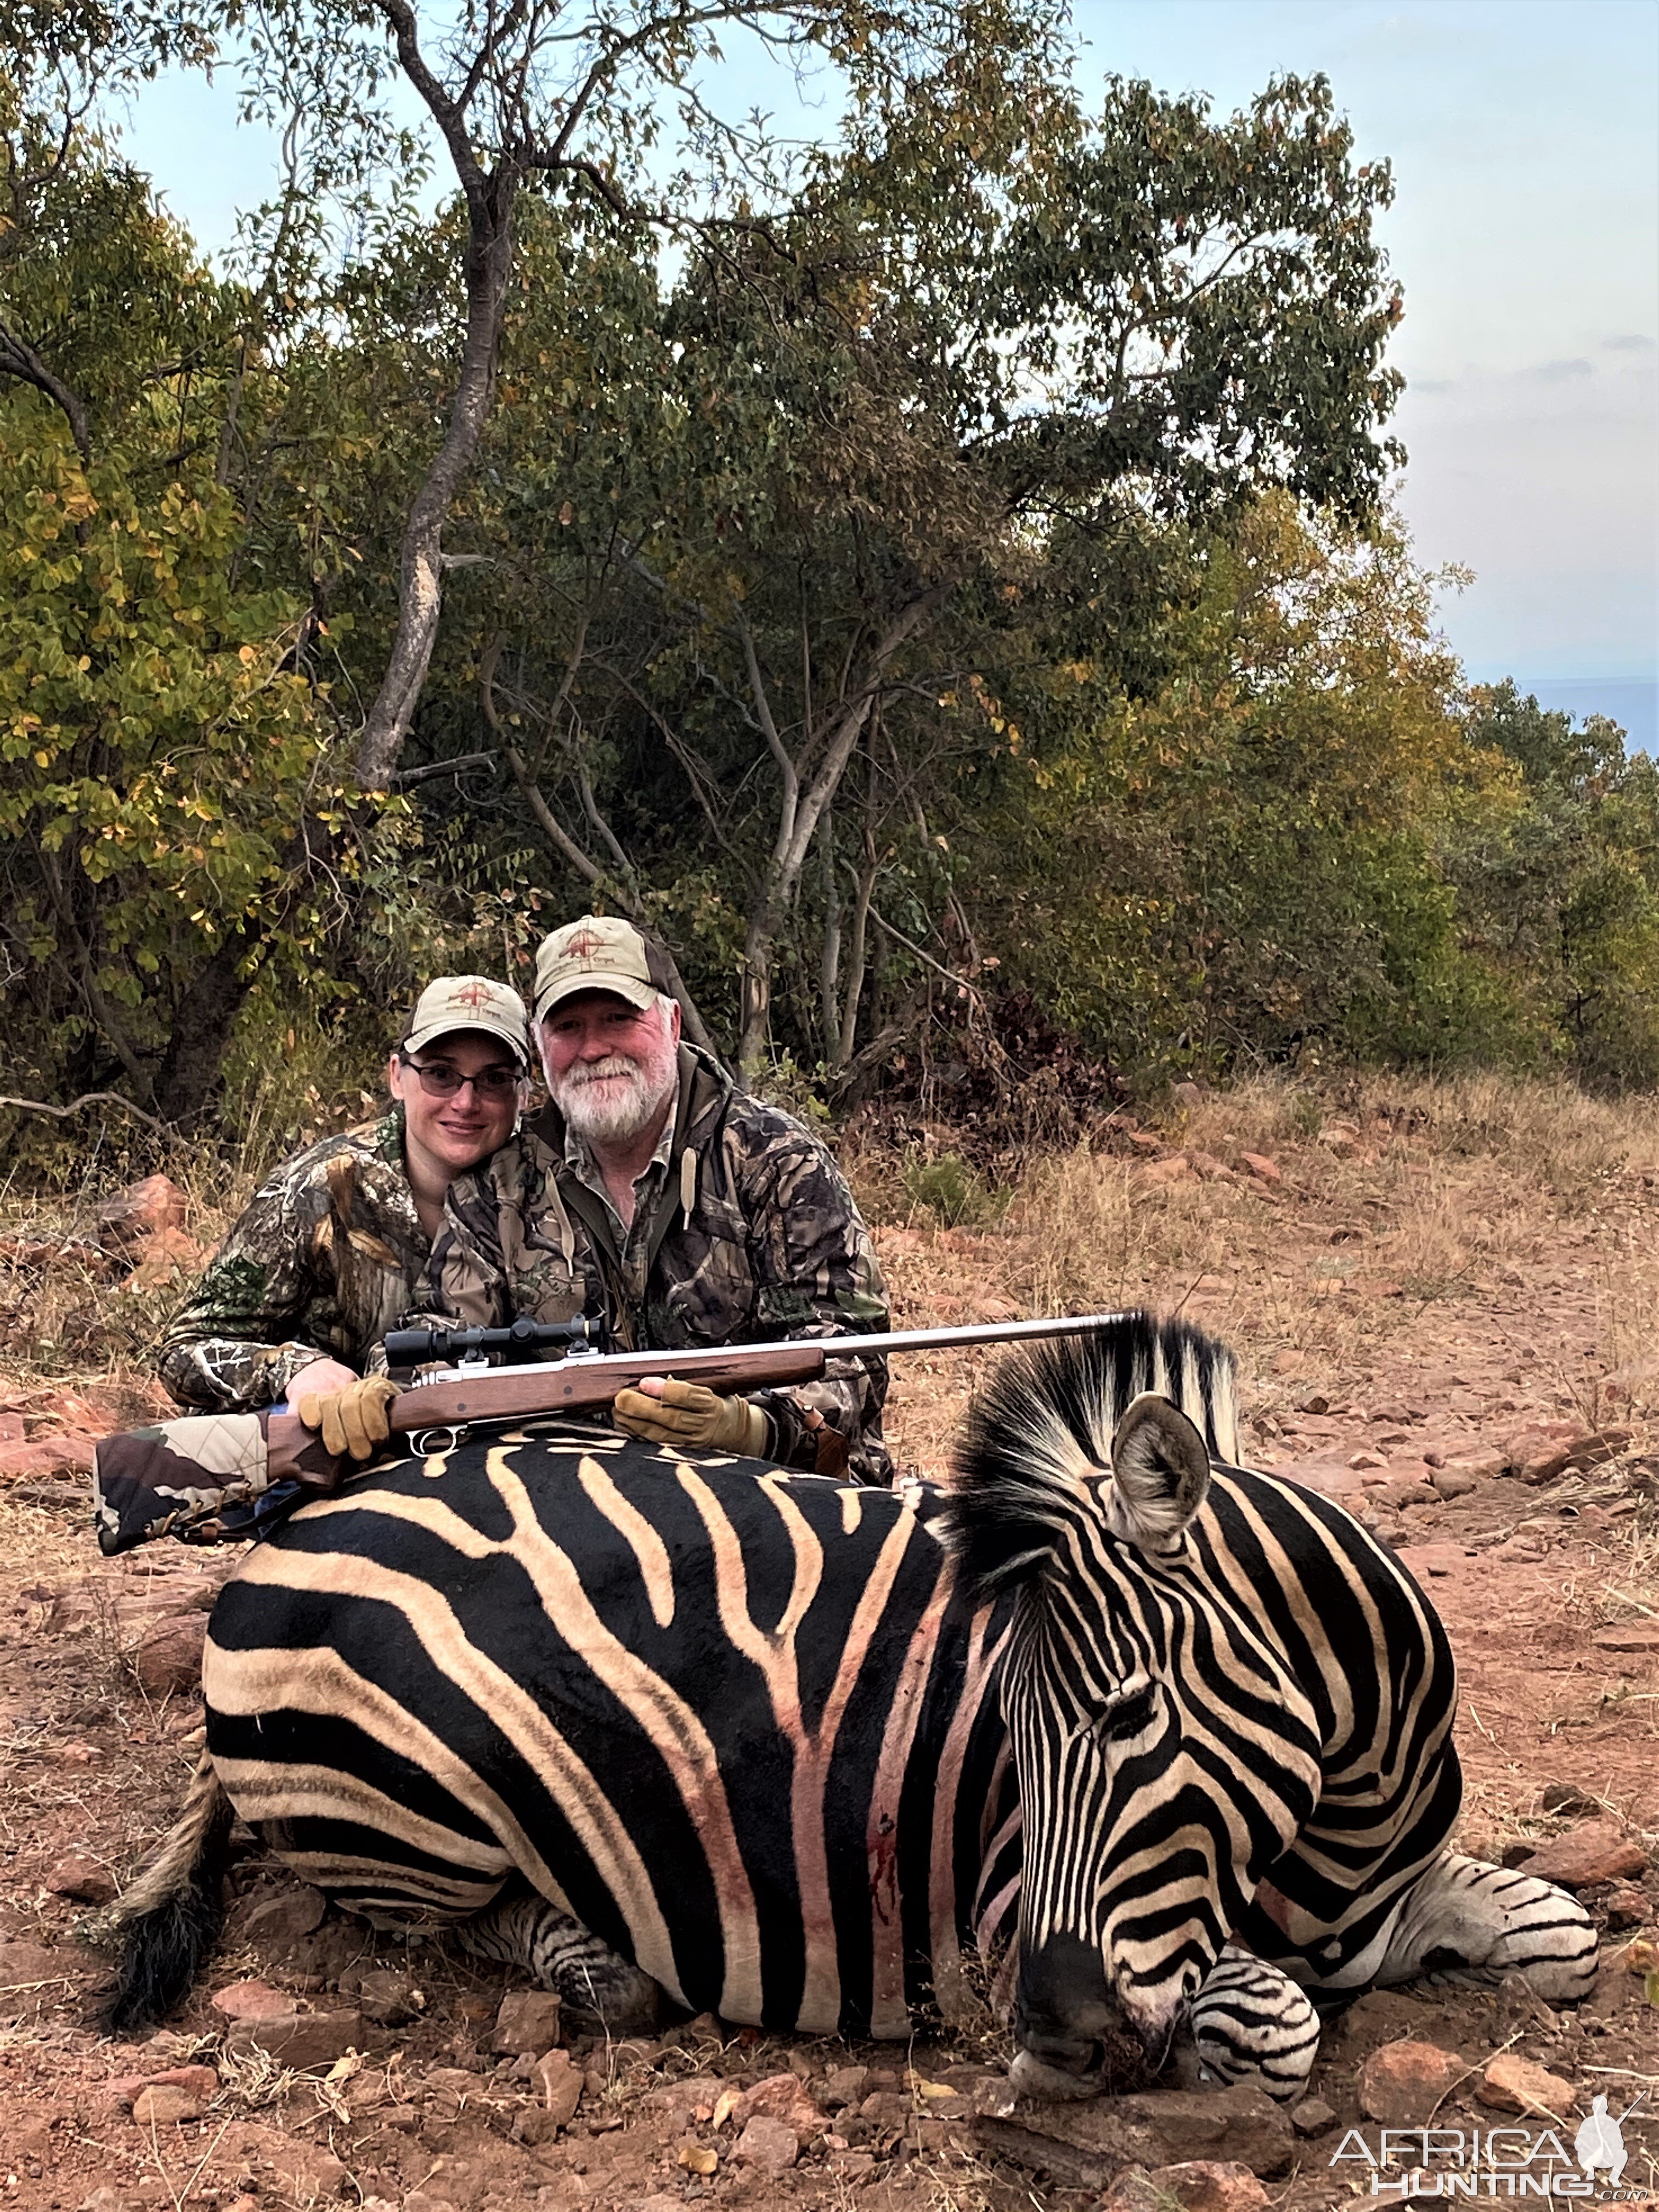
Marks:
<point>455,1132</point>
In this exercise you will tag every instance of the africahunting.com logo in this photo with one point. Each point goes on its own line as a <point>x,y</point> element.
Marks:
<point>1427,2162</point>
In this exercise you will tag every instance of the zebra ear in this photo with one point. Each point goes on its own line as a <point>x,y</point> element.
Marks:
<point>1160,1473</point>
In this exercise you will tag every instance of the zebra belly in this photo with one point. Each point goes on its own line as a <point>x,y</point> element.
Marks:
<point>718,1718</point>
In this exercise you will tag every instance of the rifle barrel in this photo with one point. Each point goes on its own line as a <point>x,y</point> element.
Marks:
<point>942,1340</point>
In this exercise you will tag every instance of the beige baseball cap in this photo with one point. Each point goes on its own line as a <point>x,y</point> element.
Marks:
<point>469,1002</point>
<point>600,952</point>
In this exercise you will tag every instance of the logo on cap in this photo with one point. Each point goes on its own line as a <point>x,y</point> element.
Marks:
<point>584,945</point>
<point>473,995</point>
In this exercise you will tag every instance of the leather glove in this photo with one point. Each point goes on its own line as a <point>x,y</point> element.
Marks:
<point>355,1420</point>
<point>668,1411</point>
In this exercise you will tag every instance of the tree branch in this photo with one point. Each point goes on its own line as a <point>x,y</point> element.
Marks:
<point>19,359</point>
<point>89,1098</point>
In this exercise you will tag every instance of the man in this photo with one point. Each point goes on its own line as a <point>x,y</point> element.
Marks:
<point>652,1191</point>
<point>338,1245</point>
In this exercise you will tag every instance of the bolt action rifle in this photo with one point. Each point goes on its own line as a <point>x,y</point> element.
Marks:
<point>215,1477</point>
<point>451,1384</point>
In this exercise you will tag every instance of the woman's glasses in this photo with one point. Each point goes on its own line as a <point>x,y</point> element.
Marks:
<point>440,1081</point>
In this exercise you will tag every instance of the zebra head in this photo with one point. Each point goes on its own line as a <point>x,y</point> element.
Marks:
<point>1164,1752</point>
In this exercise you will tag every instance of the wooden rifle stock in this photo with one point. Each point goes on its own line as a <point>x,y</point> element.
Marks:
<point>568,1386</point>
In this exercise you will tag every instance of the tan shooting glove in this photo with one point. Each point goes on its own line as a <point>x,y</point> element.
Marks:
<point>355,1420</point>
<point>666,1411</point>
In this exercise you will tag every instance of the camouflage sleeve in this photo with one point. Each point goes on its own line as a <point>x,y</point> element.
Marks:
<point>817,1274</point>
<point>236,1343</point>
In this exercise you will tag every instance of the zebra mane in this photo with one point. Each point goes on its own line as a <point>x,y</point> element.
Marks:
<point>1042,1429</point>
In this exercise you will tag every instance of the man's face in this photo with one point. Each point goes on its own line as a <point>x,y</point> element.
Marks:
<point>459,1130</point>
<point>609,1066</point>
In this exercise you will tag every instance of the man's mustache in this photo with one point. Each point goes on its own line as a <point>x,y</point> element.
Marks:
<point>602,1070</point>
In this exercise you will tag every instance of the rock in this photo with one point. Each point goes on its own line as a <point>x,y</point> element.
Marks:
<point>1513,2084</point>
<point>560,2087</point>
<point>283,1918</point>
<point>1627,1907</point>
<point>81,1879</point>
<point>886,2110</point>
<point>56,1453</point>
<point>301,2039</point>
<point>843,2086</point>
<point>1595,1852</point>
<point>1237,2122</point>
<point>1479,1466</point>
<point>142,1210</point>
<point>677,2106</point>
<point>766,2143</point>
<point>201,2082</point>
<point>1363,1459</point>
<point>165,2102</point>
<point>781,2097</point>
<point>1628,1636</point>
<point>1565,1797</point>
<point>163,1257</point>
<point>250,1999</point>
<point>168,1658</point>
<point>1456,1480</point>
<point>1312,2116</point>
<point>1401,2084</point>
<point>1086,2146</point>
<point>1202,2184</point>
<point>1186,1093</point>
<point>1208,1169</point>
<point>528,2020</point>
<point>1156,1174</point>
<point>1264,1170</point>
<point>390,1999</point>
<point>1517,2009</point>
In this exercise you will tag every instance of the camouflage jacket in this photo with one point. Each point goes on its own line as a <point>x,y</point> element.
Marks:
<point>744,1231</point>
<point>328,1255</point>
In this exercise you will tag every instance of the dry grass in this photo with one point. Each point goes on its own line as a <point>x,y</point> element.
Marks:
<point>1402,1201</point>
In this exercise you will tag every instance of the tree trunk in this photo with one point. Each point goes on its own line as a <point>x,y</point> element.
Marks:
<point>487,268</point>
<point>830,960</point>
<point>201,1030</point>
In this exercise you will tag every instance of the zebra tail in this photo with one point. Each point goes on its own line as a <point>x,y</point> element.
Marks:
<point>169,1918</point>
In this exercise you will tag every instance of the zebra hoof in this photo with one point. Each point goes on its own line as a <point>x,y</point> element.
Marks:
<point>1031,2076</point>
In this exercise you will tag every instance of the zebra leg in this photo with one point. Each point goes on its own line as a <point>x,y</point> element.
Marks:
<point>1470,1922</point>
<point>1250,2022</point>
<point>600,1992</point>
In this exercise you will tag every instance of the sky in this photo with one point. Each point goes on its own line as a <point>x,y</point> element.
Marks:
<point>1524,140</point>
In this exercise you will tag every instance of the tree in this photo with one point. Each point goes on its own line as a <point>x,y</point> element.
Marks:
<point>1559,880</point>
<point>536,91</point>
<point>1247,859</point>
<point>853,441</point>
<point>157,741</point>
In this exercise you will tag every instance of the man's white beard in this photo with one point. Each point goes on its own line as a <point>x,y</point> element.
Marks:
<point>611,1103</point>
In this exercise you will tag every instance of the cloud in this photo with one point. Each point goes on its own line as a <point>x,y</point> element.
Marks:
<point>1558,372</point>
<point>1633,342</point>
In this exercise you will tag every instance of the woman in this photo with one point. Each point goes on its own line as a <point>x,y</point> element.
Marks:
<point>336,1247</point>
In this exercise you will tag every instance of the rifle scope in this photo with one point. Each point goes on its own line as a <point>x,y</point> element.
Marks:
<point>415,1347</point>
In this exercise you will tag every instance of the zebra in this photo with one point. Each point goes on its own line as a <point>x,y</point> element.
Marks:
<point>1162,1744</point>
